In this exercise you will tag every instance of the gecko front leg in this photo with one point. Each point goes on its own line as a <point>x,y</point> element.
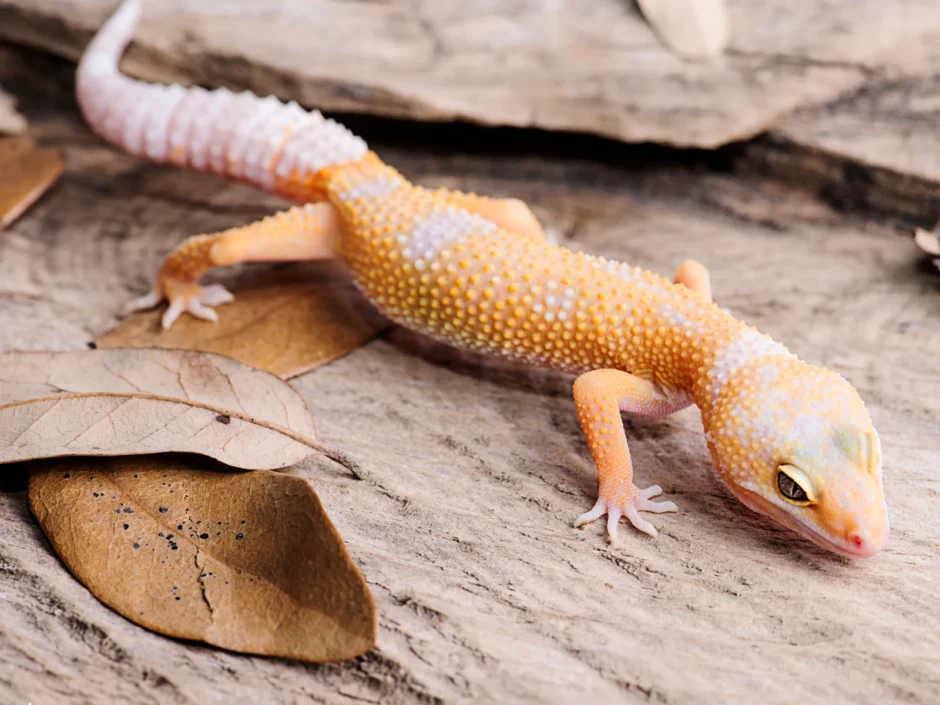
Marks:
<point>511,214</point>
<point>600,396</point>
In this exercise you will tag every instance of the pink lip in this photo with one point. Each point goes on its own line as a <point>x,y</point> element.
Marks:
<point>865,548</point>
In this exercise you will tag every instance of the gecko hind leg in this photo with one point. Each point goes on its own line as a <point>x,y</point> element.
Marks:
<point>695,276</point>
<point>510,214</point>
<point>308,232</point>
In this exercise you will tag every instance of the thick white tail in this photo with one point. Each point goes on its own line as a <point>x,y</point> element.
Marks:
<point>260,140</point>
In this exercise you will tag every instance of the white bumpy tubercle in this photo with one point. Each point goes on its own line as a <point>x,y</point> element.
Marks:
<point>259,140</point>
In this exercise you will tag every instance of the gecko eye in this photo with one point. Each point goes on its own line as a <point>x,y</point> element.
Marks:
<point>790,488</point>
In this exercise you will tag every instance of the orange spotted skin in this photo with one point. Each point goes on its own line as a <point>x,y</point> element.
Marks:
<point>791,441</point>
<point>519,298</point>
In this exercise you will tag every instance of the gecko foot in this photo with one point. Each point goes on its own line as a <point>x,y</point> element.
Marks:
<point>628,502</point>
<point>199,301</point>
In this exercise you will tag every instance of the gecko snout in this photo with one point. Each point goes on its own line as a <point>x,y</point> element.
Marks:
<point>865,543</point>
<point>865,531</point>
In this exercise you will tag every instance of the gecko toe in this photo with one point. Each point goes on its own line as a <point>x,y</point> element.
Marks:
<point>199,310</point>
<point>641,524</point>
<point>216,295</point>
<point>656,507</point>
<point>618,501</point>
<point>597,511</point>
<point>173,312</point>
<point>143,303</point>
<point>613,518</point>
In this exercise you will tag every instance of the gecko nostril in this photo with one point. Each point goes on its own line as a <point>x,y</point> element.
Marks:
<point>859,538</point>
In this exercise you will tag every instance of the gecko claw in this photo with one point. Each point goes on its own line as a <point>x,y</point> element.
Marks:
<point>597,511</point>
<point>216,295</point>
<point>628,504</point>
<point>198,301</point>
<point>143,303</point>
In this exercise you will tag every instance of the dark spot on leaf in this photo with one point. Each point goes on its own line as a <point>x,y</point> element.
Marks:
<point>224,418</point>
<point>239,536</point>
<point>126,527</point>
<point>92,345</point>
<point>128,510</point>
<point>203,536</point>
<point>163,510</point>
<point>136,545</point>
<point>67,475</point>
<point>95,494</point>
<point>179,528</point>
<point>177,599</point>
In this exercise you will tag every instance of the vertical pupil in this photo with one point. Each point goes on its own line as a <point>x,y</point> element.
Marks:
<point>789,487</point>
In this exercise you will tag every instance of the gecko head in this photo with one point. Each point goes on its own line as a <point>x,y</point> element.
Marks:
<point>795,442</point>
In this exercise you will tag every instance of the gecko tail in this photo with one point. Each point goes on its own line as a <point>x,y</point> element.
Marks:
<point>263,141</point>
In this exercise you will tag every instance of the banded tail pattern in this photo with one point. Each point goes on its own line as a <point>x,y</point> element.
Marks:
<point>273,145</point>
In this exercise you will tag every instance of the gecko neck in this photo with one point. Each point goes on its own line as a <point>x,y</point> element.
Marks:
<point>722,357</point>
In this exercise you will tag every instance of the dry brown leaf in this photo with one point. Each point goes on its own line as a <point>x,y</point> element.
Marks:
<point>11,122</point>
<point>246,561</point>
<point>285,327</point>
<point>691,29</point>
<point>927,241</point>
<point>26,172</point>
<point>128,402</point>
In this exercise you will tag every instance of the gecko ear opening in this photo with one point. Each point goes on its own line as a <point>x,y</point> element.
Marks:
<point>873,452</point>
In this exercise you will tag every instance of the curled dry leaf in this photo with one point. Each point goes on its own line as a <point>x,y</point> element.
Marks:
<point>11,122</point>
<point>286,327</point>
<point>245,561</point>
<point>692,29</point>
<point>26,172</point>
<point>128,402</point>
<point>928,241</point>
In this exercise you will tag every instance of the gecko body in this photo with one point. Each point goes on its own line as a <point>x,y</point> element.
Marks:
<point>791,440</point>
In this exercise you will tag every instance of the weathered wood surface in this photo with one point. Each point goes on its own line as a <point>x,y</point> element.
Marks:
<point>473,472</point>
<point>568,64</point>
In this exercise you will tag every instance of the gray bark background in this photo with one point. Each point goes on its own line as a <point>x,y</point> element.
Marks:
<point>474,471</point>
<point>577,65</point>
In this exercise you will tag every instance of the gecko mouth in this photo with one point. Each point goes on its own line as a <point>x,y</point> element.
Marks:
<point>756,503</point>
